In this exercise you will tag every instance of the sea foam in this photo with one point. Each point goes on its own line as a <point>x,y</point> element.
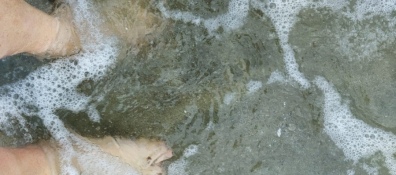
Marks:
<point>54,86</point>
<point>357,139</point>
<point>232,20</point>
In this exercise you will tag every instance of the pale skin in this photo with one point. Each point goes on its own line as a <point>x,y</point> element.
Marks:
<point>143,155</point>
<point>30,159</point>
<point>25,29</point>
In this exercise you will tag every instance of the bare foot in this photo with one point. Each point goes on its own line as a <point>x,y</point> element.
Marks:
<point>142,155</point>
<point>27,29</point>
<point>67,41</point>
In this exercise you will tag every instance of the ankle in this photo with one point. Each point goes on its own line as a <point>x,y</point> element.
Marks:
<point>63,40</point>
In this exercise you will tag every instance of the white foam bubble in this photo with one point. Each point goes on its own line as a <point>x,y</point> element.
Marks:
<point>228,97</point>
<point>277,76</point>
<point>356,139</point>
<point>233,19</point>
<point>179,166</point>
<point>253,86</point>
<point>190,150</point>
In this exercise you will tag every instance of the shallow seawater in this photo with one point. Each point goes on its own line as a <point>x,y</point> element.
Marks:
<point>233,87</point>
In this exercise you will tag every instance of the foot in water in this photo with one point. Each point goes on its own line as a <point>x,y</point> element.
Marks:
<point>25,29</point>
<point>143,155</point>
<point>67,41</point>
